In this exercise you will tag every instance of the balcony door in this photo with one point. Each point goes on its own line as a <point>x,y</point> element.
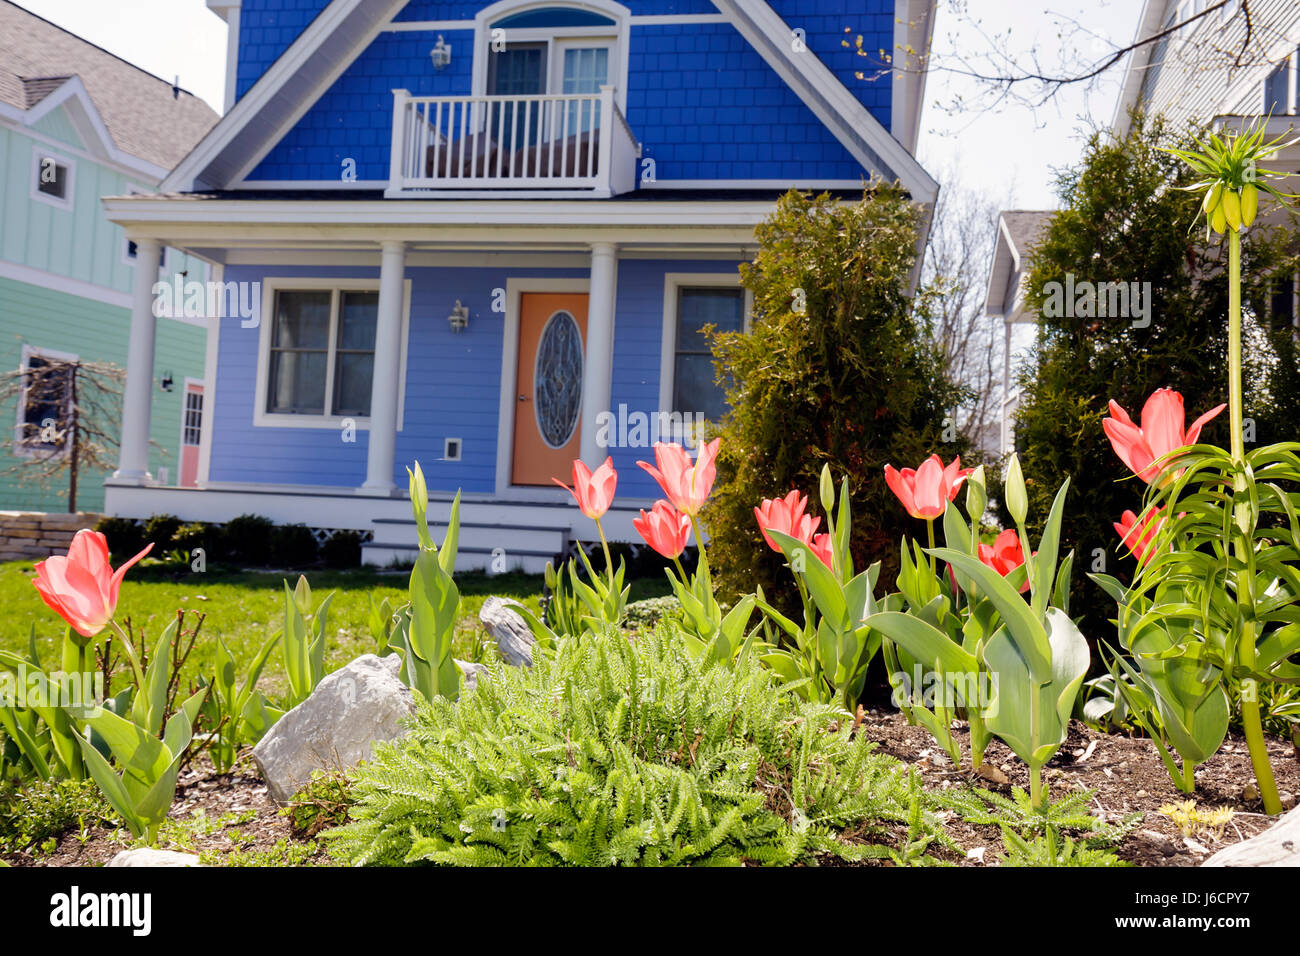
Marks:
<point>575,66</point>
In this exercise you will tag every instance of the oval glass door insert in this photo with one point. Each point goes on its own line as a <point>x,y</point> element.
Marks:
<point>557,380</point>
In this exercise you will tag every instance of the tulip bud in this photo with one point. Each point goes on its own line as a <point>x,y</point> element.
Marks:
<point>976,496</point>
<point>1015,494</point>
<point>827,490</point>
<point>1249,203</point>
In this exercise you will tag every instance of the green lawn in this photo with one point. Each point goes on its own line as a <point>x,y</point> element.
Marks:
<point>244,608</point>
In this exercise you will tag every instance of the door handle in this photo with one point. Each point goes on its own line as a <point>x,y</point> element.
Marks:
<point>523,398</point>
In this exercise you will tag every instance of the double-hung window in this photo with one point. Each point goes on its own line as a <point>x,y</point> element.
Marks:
<point>688,379</point>
<point>318,352</point>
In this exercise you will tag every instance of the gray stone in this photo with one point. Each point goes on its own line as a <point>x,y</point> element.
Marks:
<point>1279,845</point>
<point>146,857</point>
<point>335,727</point>
<point>504,625</point>
<point>471,673</point>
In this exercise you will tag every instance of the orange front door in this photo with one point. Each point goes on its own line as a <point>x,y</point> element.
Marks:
<point>548,386</point>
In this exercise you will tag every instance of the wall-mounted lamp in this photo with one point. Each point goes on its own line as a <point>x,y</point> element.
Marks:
<point>167,383</point>
<point>441,54</point>
<point>459,317</point>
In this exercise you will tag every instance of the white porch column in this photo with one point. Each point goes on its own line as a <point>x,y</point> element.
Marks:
<point>133,453</point>
<point>387,375</point>
<point>599,369</point>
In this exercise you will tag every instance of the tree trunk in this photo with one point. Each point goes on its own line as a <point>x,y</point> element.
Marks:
<point>74,439</point>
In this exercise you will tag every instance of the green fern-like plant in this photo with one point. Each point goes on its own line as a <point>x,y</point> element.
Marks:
<point>618,752</point>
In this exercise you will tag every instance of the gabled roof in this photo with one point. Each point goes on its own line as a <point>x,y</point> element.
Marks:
<point>345,28</point>
<point>142,116</point>
<point>1019,230</point>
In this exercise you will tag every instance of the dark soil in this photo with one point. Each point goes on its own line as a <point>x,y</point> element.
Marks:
<point>1126,775</point>
<point>224,818</point>
<point>231,819</point>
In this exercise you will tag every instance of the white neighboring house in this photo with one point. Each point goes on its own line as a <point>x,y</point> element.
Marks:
<point>1018,231</point>
<point>1217,71</point>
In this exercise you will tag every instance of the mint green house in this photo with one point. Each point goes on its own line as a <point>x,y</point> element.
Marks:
<point>77,124</point>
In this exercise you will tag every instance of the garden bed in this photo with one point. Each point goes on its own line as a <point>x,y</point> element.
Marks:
<point>230,820</point>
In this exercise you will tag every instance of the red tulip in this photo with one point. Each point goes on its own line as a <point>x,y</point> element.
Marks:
<point>1139,538</point>
<point>1160,434</point>
<point>665,529</point>
<point>824,549</point>
<point>787,516</point>
<point>82,587</point>
<point>686,486</point>
<point>594,492</point>
<point>1004,555</point>
<point>925,492</point>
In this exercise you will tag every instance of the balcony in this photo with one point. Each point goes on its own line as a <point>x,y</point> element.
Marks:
<point>559,145</point>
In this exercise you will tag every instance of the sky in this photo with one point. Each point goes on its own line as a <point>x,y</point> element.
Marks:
<point>1007,153</point>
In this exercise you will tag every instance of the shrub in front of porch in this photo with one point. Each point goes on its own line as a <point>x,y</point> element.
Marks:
<point>838,369</point>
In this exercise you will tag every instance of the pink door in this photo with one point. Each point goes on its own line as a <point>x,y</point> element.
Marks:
<point>191,434</point>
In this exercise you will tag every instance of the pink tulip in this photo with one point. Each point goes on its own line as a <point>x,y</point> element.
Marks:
<point>824,549</point>
<point>925,492</point>
<point>594,492</point>
<point>665,529</point>
<point>82,587</point>
<point>787,516</point>
<point>1160,434</point>
<point>686,486</point>
<point>1004,555</point>
<point>1139,538</point>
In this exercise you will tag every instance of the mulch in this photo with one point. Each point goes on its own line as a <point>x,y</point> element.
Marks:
<point>1125,775</point>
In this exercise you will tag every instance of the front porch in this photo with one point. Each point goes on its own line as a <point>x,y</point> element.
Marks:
<point>447,301</point>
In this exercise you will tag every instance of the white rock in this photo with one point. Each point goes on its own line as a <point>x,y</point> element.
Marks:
<point>335,728</point>
<point>146,857</point>
<point>1279,845</point>
<point>507,627</point>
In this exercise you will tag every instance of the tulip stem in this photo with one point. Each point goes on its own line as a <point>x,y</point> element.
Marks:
<point>609,563</point>
<point>929,527</point>
<point>1252,725</point>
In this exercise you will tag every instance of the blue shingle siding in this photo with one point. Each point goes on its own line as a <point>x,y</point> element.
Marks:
<point>453,382</point>
<point>704,103</point>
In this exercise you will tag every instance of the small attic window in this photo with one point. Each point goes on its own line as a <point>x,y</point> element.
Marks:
<point>52,179</point>
<point>552,17</point>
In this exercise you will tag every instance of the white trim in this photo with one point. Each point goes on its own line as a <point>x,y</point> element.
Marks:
<point>269,184</point>
<point>57,283</point>
<point>741,184</point>
<point>618,72</point>
<point>414,260</point>
<point>273,284</point>
<point>212,351</point>
<point>69,201</point>
<point>189,173</point>
<point>82,113</point>
<point>669,19</point>
<point>16,448</point>
<point>515,289</point>
<point>674,282</point>
<point>428,26</point>
<point>637,20</point>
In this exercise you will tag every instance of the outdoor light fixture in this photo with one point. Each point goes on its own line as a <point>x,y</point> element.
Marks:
<point>459,317</point>
<point>167,383</point>
<point>441,54</point>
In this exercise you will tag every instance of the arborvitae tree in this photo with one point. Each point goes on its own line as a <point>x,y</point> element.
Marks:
<point>1124,219</point>
<point>840,367</point>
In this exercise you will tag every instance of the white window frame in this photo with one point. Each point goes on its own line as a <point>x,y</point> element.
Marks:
<point>203,414</point>
<point>17,448</point>
<point>674,282</point>
<point>271,287</point>
<point>617,36</point>
<point>41,153</point>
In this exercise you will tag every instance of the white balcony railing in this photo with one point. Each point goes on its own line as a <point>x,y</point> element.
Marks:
<point>468,144</point>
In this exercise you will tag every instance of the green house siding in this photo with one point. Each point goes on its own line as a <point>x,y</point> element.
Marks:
<point>45,319</point>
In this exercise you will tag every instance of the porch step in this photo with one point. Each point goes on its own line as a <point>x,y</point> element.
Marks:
<point>481,546</point>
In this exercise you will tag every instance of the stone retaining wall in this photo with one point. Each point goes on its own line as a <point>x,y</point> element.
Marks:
<point>33,535</point>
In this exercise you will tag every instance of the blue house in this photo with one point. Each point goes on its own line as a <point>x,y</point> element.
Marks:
<point>485,237</point>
